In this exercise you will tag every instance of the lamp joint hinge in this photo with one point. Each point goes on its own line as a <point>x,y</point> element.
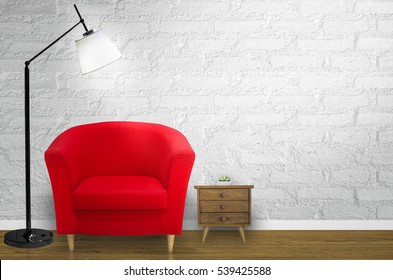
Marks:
<point>88,32</point>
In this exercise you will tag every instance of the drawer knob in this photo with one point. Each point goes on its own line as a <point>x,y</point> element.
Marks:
<point>222,194</point>
<point>222,207</point>
<point>223,219</point>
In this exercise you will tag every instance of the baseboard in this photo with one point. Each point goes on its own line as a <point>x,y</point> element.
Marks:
<point>256,225</point>
<point>309,225</point>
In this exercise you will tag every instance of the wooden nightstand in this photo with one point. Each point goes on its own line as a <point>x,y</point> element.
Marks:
<point>224,206</point>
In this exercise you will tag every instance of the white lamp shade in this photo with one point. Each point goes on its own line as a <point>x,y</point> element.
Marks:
<point>95,51</point>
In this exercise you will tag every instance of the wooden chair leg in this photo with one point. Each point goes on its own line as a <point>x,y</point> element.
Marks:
<point>205,232</point>
<point>171,241</point>
<point>70,240</point>
<point>243,233</point>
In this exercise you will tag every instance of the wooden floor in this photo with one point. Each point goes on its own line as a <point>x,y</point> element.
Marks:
<point>274,245</point>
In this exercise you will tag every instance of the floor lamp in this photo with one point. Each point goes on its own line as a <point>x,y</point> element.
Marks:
<point>95,50</point>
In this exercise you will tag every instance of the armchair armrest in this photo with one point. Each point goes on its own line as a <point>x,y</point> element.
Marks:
<point>62,189</point>
<point>179,175</point>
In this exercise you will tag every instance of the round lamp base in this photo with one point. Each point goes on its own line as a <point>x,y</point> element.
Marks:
<point>24,238</point>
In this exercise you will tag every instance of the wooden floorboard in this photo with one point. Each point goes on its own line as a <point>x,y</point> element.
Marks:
<point>273,245</point>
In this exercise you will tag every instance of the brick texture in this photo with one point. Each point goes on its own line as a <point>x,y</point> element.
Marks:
<point>292,96</point>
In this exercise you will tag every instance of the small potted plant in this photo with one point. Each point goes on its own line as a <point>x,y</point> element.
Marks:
<point>224,181</point>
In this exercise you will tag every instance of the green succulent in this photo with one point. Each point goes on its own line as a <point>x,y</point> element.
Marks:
<point>224,178</point>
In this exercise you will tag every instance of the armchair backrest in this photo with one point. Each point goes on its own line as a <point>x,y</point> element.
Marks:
<point>119,148</point>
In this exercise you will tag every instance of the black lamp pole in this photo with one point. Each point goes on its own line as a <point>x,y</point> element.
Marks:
<point>32,237</point>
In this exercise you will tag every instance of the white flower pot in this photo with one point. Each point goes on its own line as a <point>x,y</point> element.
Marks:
<point>224,183</point>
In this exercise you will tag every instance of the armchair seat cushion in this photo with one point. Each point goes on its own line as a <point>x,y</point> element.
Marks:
<point>119,193</point>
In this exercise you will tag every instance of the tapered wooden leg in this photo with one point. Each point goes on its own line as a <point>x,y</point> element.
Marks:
<point>70,240</point>
<point>171,241</point>
<point>243,234</point>
<point>205,232</point>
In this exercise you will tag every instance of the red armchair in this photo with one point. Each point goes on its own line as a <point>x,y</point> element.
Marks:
<point>119,178</point>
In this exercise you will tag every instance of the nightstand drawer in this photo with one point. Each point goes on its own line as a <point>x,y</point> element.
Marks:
<point>223,194</point>
<point>224,218</point>
<point>224,206</point>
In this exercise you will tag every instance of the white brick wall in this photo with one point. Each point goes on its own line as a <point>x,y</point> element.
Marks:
<point>293,26</point>
<point>385,62</point>
<point>374,195</point>
<point>374,43</point>
<point>325,44</point>
<point>254,7</point>
<point>374,7</point>
<point>350,63</point>
<point>348,27</point>
<point>296,213</point>
<point>296,61</point>
<point>318,81</point>
<point>347,212</point>
<point>322,7</point>
<point>385,213</point>
<point>294,96</point>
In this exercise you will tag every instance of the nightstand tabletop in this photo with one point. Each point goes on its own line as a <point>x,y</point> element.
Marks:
<point>224,187</point>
